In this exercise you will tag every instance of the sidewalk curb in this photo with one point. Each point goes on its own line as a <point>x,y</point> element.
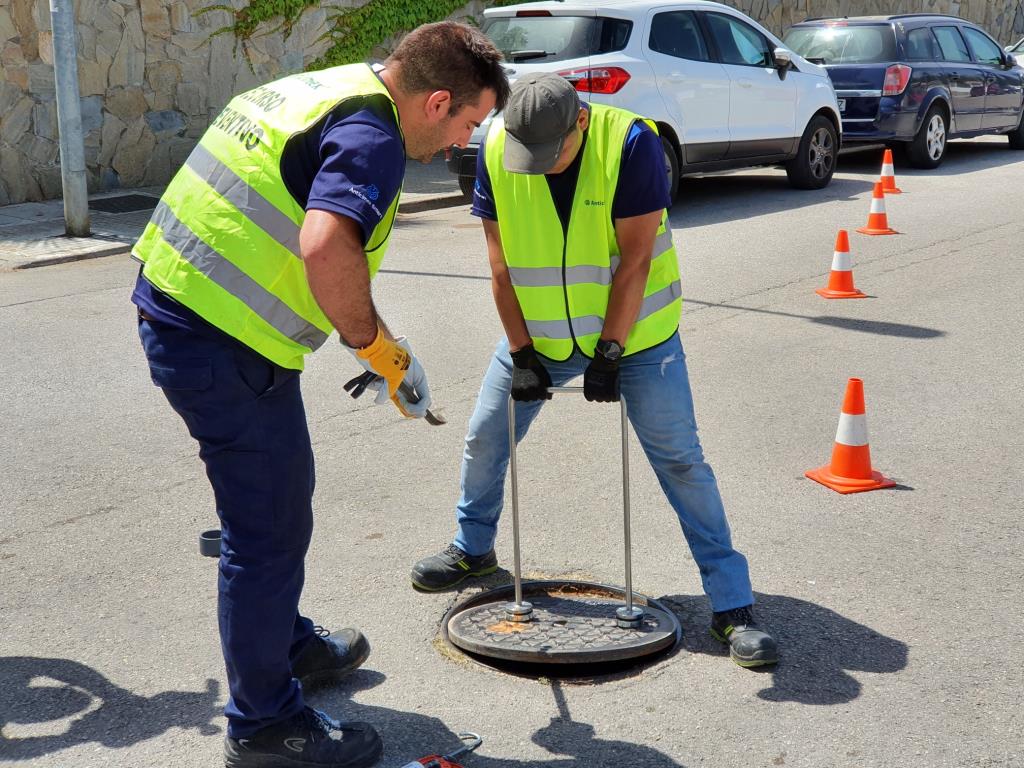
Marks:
<point>114,249</point>
<point>421,203</point>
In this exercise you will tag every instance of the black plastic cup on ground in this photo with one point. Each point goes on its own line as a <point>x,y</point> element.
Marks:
<point>209,543</point>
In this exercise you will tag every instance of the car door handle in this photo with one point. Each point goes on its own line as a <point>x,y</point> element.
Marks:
<point>744,83</point>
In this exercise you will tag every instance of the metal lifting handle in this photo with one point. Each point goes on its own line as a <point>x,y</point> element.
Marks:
<point>627,616</point>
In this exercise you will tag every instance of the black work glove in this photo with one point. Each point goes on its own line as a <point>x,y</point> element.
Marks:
<point>530,379</point>
<point>601,380</point>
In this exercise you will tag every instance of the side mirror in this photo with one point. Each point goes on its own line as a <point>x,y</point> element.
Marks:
<point>783,61</point>
<point>1009,60</point>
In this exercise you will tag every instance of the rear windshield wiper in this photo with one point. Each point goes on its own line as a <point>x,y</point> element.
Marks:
<point>527,55</point>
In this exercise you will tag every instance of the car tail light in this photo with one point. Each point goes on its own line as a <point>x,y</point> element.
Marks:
<point>896,78</point>
<point>597,79</point>
<point>533,13</point>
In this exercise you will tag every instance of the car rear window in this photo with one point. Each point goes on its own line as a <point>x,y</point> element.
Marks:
<point>556,38</point>
<point>835,44</point>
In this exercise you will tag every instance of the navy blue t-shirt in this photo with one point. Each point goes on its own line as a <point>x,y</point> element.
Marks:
<point>642,187</point>
<point>348,163</point>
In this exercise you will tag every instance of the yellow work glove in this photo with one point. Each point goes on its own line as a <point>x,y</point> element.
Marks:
<point>390,361</point>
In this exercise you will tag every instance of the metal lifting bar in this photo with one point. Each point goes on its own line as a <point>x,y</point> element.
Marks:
<point>629,615</point>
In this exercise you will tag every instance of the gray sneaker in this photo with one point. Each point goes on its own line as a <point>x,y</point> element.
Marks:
<point>450,567</point>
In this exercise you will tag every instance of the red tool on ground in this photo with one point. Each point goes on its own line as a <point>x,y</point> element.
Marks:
<point>470,741</point>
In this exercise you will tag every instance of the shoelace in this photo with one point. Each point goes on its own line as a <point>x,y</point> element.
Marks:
<point>320,631</point>
<point>455,552</point>
<point>321,721</point>
<point>741,617</point>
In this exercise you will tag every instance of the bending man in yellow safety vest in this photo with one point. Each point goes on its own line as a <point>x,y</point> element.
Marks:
<point>573,199</point>
<point>263,244</point>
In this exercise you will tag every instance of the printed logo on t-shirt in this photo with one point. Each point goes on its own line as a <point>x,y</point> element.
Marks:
<point>368,195</point>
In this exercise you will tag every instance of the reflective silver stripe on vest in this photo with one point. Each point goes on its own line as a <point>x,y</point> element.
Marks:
<point>548,277</point>
<point>589,324</point>
<point>256,208</point>
<point>233,280</point>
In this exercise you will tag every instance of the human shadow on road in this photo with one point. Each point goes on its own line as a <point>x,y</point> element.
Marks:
<point>43,694</point>
<point>817,647</point>
<point>411,735</point>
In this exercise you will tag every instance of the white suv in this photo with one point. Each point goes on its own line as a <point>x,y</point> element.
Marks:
<point>724,91</point>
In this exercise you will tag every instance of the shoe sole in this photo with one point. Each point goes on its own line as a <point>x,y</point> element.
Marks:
<point>315,680</point>
<point>236,760</point>
<point>482,572</point>
<point>737,659</point>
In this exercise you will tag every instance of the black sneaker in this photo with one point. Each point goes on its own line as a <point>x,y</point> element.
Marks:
<point>448,568</point>
<point>749,645</point>
<point>329,657</point>
<point>309,739</point>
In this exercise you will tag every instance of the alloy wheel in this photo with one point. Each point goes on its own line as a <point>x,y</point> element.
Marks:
<point>821,153</point>
<point>935,138</point>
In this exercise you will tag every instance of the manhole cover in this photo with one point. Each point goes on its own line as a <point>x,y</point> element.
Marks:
<point>124,203</point>
<point>572,623</point>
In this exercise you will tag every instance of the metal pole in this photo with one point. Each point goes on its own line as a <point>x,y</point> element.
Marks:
<point>628,616</point>
<point>69,119</point>
<point>517,611</point>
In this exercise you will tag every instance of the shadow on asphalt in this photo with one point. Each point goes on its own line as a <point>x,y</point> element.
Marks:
<point>817,647</point>
<point>42,695</point>
<point>718,199</point>
<point>961,157</point>
<point>844,323</point>
<point>410,735</point>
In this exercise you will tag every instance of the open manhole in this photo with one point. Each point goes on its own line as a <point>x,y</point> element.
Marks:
<point>572,630</point>
<point>124,203</point>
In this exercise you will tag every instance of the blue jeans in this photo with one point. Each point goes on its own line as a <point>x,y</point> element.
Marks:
<point>656,389</point>
<point>247,416</point>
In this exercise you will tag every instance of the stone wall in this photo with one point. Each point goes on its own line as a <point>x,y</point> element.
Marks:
<point>152,77</point>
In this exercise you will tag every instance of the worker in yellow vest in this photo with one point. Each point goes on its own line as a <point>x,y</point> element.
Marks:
<point>573,199</point>
<point>264,243</point>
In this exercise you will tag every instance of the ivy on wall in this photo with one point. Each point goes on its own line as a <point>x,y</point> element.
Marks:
<point>353,32</point>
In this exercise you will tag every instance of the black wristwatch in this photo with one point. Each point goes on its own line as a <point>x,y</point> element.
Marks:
<point>609,350</point>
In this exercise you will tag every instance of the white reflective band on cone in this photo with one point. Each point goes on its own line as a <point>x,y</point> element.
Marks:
<point>841,261</point>
<point>853,430</point>
<point>887,169</point>
<point>877,205</point>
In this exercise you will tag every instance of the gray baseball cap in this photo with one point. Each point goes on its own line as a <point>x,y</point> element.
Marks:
<point>541,111</point>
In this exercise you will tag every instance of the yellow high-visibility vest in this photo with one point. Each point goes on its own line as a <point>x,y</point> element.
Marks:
<point>224,238</point>
<point>563,279</point>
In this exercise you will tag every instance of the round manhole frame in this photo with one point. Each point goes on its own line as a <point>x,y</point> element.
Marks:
<point>560,665</point>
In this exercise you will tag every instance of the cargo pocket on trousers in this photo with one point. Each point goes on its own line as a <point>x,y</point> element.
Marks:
<point>194,375</point>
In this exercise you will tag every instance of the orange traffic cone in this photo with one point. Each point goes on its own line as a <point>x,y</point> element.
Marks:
<point>878,223</point>
<point>840,281</point>
<point>889,175</point>
<point>850,470</point>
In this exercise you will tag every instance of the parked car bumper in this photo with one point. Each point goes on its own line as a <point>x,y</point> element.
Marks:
<point>896,121</point>
<point>462,160</point>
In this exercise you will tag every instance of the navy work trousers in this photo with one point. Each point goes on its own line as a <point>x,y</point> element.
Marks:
<point>247,416</point>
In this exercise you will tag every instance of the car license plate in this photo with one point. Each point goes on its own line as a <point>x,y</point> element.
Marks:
<point>842,105</point>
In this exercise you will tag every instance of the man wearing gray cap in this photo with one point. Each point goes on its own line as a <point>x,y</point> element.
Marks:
<point>573,199</point>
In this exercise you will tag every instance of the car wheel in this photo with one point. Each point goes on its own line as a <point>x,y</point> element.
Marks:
<point>671,167</point>
<point>1016,136</point>
<point>929,145</point>
<point>815,161</point>
<point>466,184</point>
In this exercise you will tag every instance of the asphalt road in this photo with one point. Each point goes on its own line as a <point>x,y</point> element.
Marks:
<point>898,611</point>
